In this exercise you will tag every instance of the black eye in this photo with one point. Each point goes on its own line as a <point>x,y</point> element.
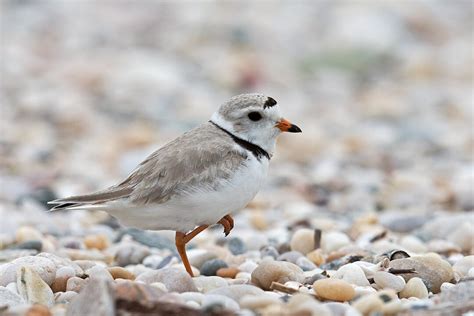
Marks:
<point>255,116</point>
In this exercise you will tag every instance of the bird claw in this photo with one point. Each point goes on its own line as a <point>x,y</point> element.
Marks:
<point>228,223</point>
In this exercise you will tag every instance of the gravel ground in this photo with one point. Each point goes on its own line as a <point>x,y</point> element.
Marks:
<point>367,212</point>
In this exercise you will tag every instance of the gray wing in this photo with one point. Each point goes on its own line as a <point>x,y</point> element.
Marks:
<point>196,159</point>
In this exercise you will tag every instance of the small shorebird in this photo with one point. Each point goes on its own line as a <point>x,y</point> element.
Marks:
<point>200,178</point>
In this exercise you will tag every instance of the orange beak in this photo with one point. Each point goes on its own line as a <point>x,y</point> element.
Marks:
<point>286,126</point>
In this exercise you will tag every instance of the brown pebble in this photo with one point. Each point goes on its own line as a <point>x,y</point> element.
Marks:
<point>99,242</point>
<point>227,272</point>
<point>59,284</point>
<point>38,310</point>
<point>316,257</point>
<point>334,290</point>
<point>121,273</point>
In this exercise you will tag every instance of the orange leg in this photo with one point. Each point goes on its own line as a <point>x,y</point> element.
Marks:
<point>228,223</point>
<point>181,240</point>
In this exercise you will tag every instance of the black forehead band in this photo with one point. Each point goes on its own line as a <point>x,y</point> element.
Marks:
<point>269,103</point>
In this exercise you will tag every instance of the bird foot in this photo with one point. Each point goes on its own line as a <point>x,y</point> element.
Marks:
<point>228,223</point>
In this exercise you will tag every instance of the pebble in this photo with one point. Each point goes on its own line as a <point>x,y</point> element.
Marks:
<point>414,288</point>
<point>30,244</point>
<point>305,264</point>
<point>236,246</point>
<point>32,287</point>
<point>269,251</point>
<point>332,241</point>
<point>121,273</point>
<point>353,274</point>
<point>303,241</point>
<point>248,266</point>
<point>257,302</point>
<point>60,280</point>
<point>430,268</point>
<point>461,267</point>
<point>27,233</point>
<point>175,280</point>
<point>461,293</point>
<point>316,256</point>
<point>99,272</point>
<point>236,292</point>
<point>210,267</point>
<point>388,280</point>
<point>45,268</point>
<point>197,257</point>
<point>75,284</point>
<point>290,256</point>
<point>369,304</point>
<point>97,298</point>
<point>227,272</point>
<point>62,262</point>
<point>100,241</point>
<point>205,284</point>
<point>148,238</point>
<point>463,236</point>
<point>64,297</point>
<point>334,290</point>
<point>270,271</point>
<point>130,253</point>
<point>220,300</point>
<point>9,298</point>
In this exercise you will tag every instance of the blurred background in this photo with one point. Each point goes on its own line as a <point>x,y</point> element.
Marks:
<point>382,92</point>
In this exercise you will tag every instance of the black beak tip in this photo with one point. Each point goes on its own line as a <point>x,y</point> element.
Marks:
<point>294,129</point>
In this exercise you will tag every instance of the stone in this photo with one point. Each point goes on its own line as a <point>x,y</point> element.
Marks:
<point>414,288</point>
<point>460,293</point>
<point>62,262</point>
<point>175,280</point>
<point>9,298</point>
<point>248,266</point>
<point>121,273</point>
<point>236,292</point>
<point>75,284</point>
<point>413,244</point>
<point>99,272</point>
<point>130,253</point>
<point>388,280</point>
<point>32,287</point>
<point>60,281</point>
<point>258,302</point>
<point>227,272</point>
<point>303,241</point>
<point>316,256</point>
<point>305,264</point>
<point>236,246</point>
<point>45,268</point>
<point>270,271</point>
<point>353,274</point>
<point>268,251</point>
<point>30,244</point>
<point>205,284</point>
<point>64,297</point>
<point>462,266</point>
<point>100,241</point>
<point>332,241</point>
<point>334,290</point>
<point>38,310</point>
<point>128,293</point>
<point>148,238</point>
<point>463,236</point>
<point>197,257</point>
<point>290,256</point>
<point>402,222</point>
<point>369,304</point>
<point>430,268</point>
<point>210,267</point>
<point>209,301</point>
<point>27,233</point>
<point>97,298</point>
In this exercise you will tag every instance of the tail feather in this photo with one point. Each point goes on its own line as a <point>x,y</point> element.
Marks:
<point>74,202</point>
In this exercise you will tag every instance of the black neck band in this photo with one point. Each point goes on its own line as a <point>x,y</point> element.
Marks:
<point>256,150</point>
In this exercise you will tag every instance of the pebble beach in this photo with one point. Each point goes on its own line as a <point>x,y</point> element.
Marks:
<point>369,211</point>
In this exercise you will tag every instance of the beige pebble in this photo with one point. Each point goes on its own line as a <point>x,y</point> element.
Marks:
<point>75,284</point>
<point>256,302</point>
<point>368,304</point>
<point>26,233</point>
<point>316,257</point>
<point>270,271</point>
<point>258,220</point>
<point>32,288</point>
<point>227,272</point>
<point>303,240</point>
<point>99,242</point>
<point>121,273</point>
<point>60,281</point>
<point>414,288</point>
<point>38,310</point>
<point>334,290</point>
<point>388,280</point>
<point>462,266</point>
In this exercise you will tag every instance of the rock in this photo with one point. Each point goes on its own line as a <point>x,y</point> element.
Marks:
<point>332,241</point>
<point>236,292</point>
<point>430,268</point>
<point>149,238</point>
<point>130,253</point>
<point>38,310</point>
<point>45,268</point>
<point>463,236</point>
<point>388,280</point>
<point>248,266</point>
<point>197,257</point>
<point>62,262</point>
<point>338,309</point>
<point>443,247</point>
<point>27,233</point>
<point>316,256</point>
<point>60,281</point>
<point>414,288</point>
<point>129,293</point>
<point>64,297</point>
<point>413,244</point>
<point>290,256</point>
<point>257,302</point>
<point>210,267</point>
<point>75,284</point>
<point>305,264</point>
<point>206,284</point>
<point>193,296</point>
<point>401,222</point>
<point>9,298</point>
<point>268,251</point>
<point>32,287</point>
<point>303,241</point>
<point>100,241</point>
<point>99,272</point>
<point>30,244</point>
<point>121,273</point>
<point>227,272</point>
<point>369,304</point>
<point>175,280</point>
<point>353,274</point>
<point>86,254</point>
<point>334,290</point>
<point>463,292</point>
<point>97,298</point>
<point>276,271</point>
<point>461,267</point>
<point>236,246</point>
<point>210,301</point>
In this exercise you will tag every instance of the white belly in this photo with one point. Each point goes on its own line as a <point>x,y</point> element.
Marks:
<point>183,213</point>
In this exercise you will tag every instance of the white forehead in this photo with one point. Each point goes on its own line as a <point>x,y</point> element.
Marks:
<point>244,103</point>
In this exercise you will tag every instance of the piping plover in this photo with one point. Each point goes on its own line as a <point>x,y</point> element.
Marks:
<point>201,177</point>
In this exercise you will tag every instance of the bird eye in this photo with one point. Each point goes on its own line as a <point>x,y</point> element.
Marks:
<point>255,116</point>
